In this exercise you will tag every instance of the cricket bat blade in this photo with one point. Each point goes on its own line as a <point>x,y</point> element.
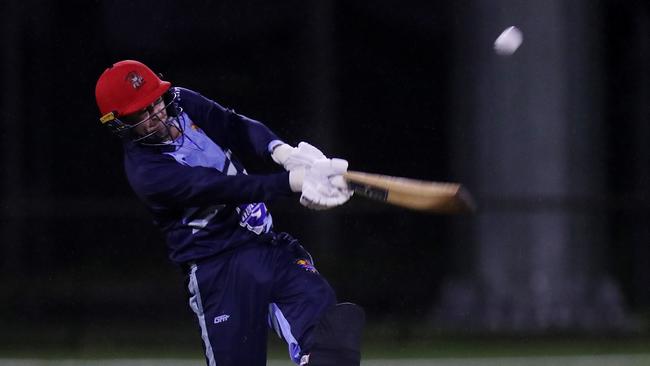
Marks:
<point>434,197</point>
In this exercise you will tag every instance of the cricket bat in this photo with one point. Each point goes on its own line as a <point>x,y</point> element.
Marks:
<point>434,197</point>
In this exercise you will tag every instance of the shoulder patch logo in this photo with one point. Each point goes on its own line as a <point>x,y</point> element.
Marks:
<point>135,79</point>
<point>306,265</point>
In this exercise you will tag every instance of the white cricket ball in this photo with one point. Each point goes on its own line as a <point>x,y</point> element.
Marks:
<point>508,41</point>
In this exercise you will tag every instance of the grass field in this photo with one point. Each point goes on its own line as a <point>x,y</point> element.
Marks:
<point>578,360</point>
<point>382,346</point>
<point>546,351</point>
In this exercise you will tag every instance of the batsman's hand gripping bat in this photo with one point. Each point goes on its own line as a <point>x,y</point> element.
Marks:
<point>435,197</point>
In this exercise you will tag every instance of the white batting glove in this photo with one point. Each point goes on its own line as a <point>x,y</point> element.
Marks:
<point>294,157</point>
<point>322,188</point>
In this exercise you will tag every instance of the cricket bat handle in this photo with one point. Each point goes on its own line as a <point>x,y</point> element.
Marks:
<point>434,197</point>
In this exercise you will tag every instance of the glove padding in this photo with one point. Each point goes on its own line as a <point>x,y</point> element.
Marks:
<point>323,185</point>
<point>292,158</point>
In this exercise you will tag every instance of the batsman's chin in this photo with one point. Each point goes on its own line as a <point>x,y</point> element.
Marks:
<point>163,133</point>
<point>155,137</point>
<point>162,136</point>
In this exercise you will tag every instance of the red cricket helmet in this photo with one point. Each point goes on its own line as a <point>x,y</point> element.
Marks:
<point>128,86</point>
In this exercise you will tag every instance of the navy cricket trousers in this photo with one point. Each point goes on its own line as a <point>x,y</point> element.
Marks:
<point>237,295</point>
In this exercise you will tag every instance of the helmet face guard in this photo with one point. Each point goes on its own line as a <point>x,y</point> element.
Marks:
<point>126,130</point>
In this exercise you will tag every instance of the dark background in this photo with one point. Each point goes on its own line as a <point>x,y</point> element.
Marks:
<point>400,88</point>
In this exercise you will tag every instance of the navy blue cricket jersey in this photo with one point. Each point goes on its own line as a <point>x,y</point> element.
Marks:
<point>199,193</point>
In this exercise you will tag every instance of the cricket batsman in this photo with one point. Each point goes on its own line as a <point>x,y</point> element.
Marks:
<point>183,157</point>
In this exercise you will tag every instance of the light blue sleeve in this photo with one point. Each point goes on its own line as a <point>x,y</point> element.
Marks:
<point>273,144</point>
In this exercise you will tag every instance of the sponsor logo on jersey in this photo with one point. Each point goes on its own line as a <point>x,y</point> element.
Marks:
<point>221,318</point>
<point>135,79</point>
<point>306,265</point>
<point>255,217</point>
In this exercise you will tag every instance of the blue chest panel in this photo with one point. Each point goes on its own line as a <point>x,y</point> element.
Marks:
<point>199,150</point>
<point>196,150</point>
